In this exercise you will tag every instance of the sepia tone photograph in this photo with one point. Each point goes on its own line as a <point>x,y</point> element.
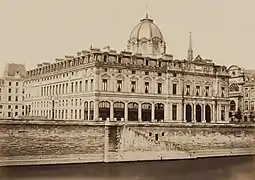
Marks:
<point>127,90</point>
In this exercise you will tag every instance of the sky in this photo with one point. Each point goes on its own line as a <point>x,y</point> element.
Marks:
<point>32,32</point>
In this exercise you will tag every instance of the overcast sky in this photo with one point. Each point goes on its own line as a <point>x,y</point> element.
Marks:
<point>33,31</point>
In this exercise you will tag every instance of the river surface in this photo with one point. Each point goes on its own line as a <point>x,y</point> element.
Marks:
<point>224,168</point>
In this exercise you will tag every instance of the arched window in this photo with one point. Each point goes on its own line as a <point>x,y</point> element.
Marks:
<point>232,106</point>
<point>233,87</point>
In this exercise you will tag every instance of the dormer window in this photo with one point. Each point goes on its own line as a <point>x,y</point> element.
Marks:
<point>207,91</point>
<point>197,90</point>
<point>105,58</point>
<point>133,86</point>
<point>147,87</point>
<point>119,60</point>
<point>119,85</point>
<point>222,91</point>
<point>147,62</point>
<point>187,90</point>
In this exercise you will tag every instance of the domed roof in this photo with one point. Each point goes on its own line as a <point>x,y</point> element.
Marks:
<point>146,29</point>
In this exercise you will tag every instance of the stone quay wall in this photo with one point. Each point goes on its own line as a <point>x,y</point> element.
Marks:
<point>28,142</point>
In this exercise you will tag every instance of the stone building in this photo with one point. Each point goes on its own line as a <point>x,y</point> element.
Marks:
<point>12,91</point>
<point>144,83</point>
<point>241,92</point>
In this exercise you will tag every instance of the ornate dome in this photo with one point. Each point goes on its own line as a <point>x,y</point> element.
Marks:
<point>146,29</point>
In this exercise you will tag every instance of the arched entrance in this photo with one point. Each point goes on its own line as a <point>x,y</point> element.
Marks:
<point>188,113</point>
<point>104,110</point>
<point>119,110</point>
<point>198,113</point>
<point>159,112</point>
<point>86,110</point>
<point>146,112</point>
<point>133,111</point>
<point>207,113</point>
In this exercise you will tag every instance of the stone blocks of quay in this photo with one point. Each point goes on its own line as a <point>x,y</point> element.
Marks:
<point>28,142</point>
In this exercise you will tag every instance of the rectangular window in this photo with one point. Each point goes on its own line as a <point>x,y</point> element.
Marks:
<point>80,86</point>
<point>76,87</point>
<point>146,73</point>
<point>159,88</point>
<point>56,89</point>
<point>91,85</point>
<point>16,98</point>
<point>10,90</point>
<point>66,88</point>
<point>53,89</point>
<point>187,90</point>
<point>159,74</point>
<point>72,87</point>
<point>63,88</point>
<point>86,85</point>
<point>252,105</point>
<point>133,72</point>
<point>159,64</point>
<point>104,84</point>
<point>17,90</point>
<point>222,113</point>
<point>207,91</point>
<point>147,87</point>
<point>222,91</point>
<point>59,90</point>
<point>197,90</point>
<point>246,105</point>
<point>133,86</point>
<point>174,88</point>
<point>174,112</point>
<point>10,83</point>
<point>119,85</point>
<point>9,98</point>
<point>17,84</point>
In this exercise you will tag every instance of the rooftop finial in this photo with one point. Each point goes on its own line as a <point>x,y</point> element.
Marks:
<point>146,10</point>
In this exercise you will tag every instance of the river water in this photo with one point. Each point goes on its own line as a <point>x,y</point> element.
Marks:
<point>224,168</point>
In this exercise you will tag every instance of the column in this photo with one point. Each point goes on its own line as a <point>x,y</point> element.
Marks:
<point>213,114</point>
<point>96,110</point>
<point>226,114</point>
<point>139,112</point>
<point>111,111</point>
<point>184,114</point>
<point>152,112</point>
<point>126,111</point>
<point>203,113</point>
<point>194,113</point>
<point>170,109</point>
<point>166,112</point>
<point>96,81</point>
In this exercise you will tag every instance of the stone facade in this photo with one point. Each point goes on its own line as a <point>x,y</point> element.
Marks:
<point>101,84</point>
<point>12,91</point>
<point>241,92</point>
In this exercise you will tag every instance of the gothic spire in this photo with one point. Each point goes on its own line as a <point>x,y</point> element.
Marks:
<point>190,51</point>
